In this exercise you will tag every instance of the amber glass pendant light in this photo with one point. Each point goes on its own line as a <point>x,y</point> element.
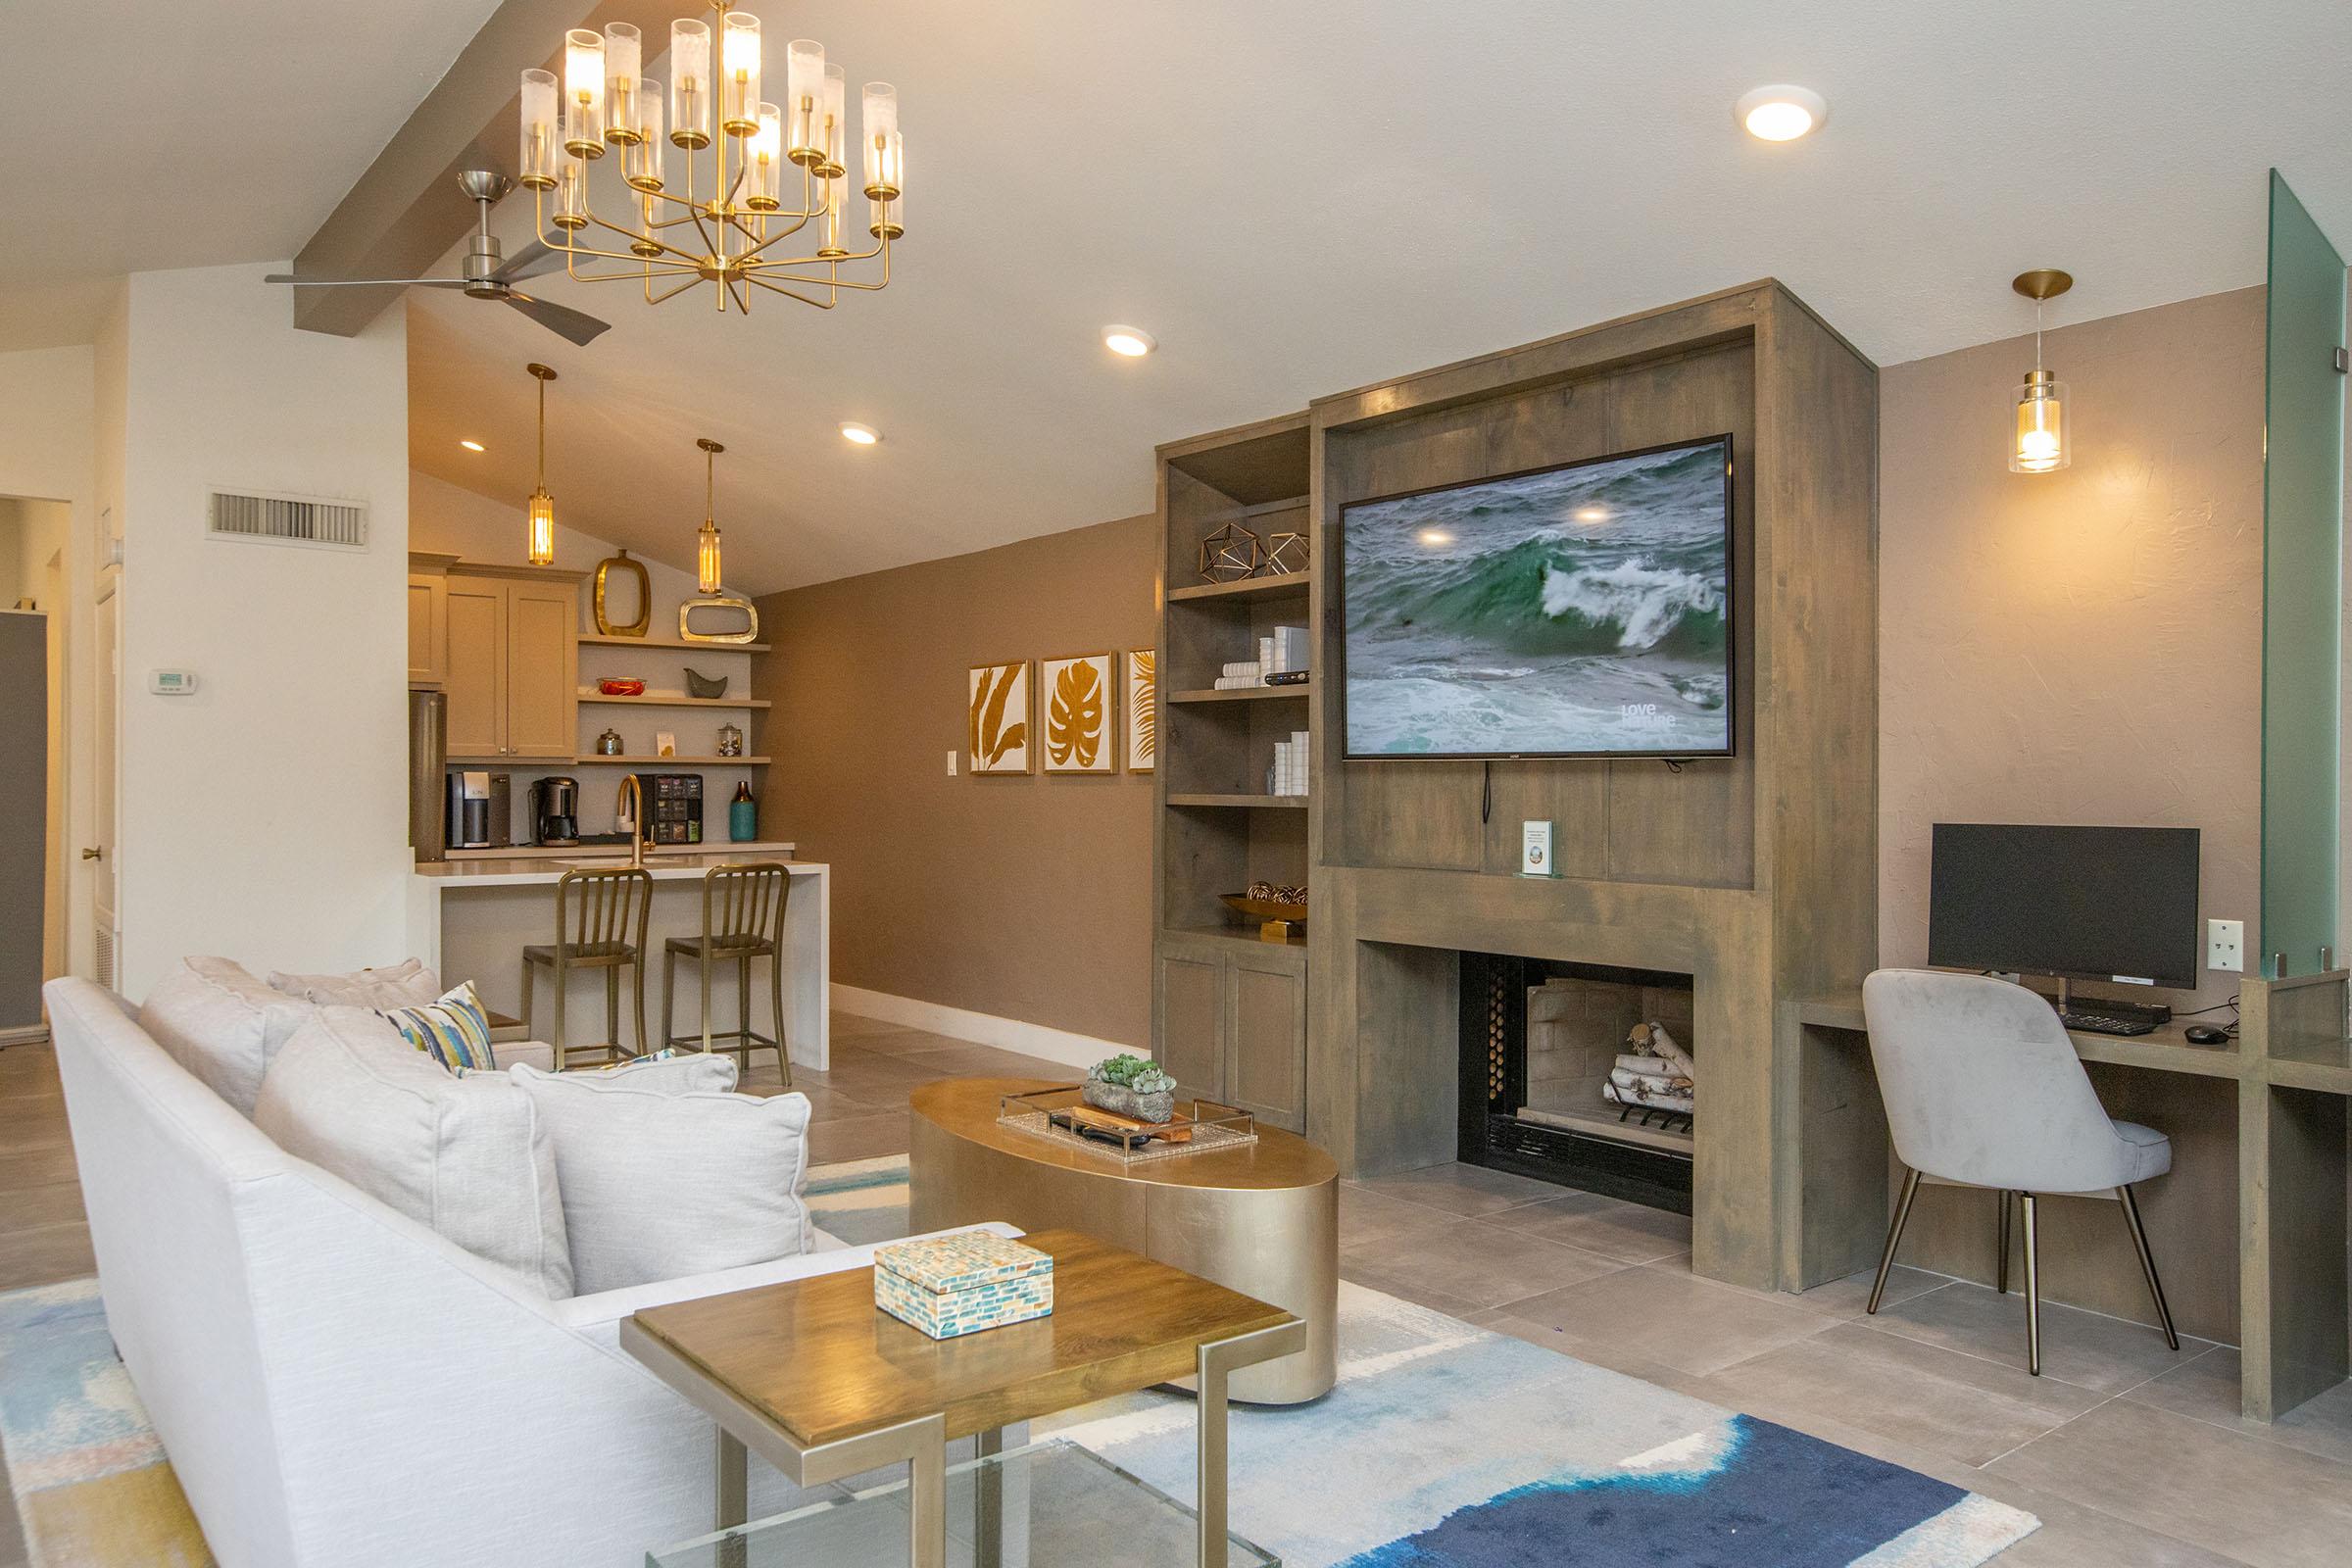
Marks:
<point>705,540</point>
<point>541,543</point>
<point>2039,444</point>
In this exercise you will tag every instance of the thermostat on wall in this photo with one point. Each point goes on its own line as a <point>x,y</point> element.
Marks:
<point>170,682</point>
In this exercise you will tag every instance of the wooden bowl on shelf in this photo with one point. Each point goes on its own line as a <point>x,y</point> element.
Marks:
<point>1278,920</point>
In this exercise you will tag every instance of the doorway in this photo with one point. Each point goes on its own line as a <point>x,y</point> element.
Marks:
<point>35,538</point>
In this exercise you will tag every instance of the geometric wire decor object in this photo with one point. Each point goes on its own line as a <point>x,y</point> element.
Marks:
<point>1286,553</point>
<point>712,213</point>
<point>1231,553</point>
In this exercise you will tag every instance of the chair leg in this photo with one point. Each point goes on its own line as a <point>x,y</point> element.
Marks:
<point>703,968</point>
<point>743,1011</point>
<point>637,996</point>
<point>526,999</point>
<point>2001,1268</point>
<point>2147,1265</point>
<point>563,976</point>
<point>1894,1237</point>
<point>612,1012</point>
<point>669,999</point>
<point>2024,1204</point>
<point>775,1000</point>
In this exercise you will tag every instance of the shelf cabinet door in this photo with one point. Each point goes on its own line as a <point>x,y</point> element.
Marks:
<point>428,628</point>
<point>474,675</point>
<point>1191,1019</point>
<point>542,624</point>
<point>1265,1066</point>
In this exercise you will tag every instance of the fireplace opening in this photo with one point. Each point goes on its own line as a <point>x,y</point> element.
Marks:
<point>1581,1074</point>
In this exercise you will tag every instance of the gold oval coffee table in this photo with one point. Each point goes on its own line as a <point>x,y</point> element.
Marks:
<point>1263,1219</point>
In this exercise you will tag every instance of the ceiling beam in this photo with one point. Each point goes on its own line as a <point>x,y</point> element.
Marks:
<point>406,211</point>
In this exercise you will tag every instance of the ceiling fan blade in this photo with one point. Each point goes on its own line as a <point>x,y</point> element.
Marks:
<point>577,325</point>
<point>531,260</point>
<point>366,282</point>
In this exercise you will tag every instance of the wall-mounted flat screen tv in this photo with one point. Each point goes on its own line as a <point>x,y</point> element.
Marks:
<point>1582,610</point>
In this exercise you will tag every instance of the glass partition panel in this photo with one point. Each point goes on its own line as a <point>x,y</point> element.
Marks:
<point>2303,495</point>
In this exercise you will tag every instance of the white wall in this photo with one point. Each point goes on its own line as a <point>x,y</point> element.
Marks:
<point>265,816</point>
<point>47,419</point>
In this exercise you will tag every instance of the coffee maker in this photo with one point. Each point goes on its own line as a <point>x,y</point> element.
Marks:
<point>556,810</point>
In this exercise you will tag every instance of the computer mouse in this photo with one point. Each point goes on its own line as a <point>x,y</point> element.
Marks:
<point>2205,1034</point>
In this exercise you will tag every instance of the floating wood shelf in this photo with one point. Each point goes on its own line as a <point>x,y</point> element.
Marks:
<point>1243,694</point>
<point>589,639</point>
<point>1291,803</point>
<point>668,699</point>
<point>670,761</point>
<point>1244,934</point>
<point>1267,587</point>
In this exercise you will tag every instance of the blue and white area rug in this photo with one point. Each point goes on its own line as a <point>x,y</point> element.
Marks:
<point>1447,1447</point>
<point>860,1200</point>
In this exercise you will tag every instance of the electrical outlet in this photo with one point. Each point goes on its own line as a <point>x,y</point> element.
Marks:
<point>2226,945</point>
<point>950,764</point>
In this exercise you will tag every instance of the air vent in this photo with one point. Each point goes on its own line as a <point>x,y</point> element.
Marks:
<point>288,520</point>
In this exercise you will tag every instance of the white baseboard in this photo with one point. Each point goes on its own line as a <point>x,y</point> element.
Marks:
<point>981,1028</point>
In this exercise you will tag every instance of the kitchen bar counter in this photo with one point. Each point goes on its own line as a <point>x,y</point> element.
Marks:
<point>470,920</point>
<point>761,849</point>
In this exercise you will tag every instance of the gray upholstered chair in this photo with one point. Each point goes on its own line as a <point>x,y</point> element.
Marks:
<point>1983,1089</point>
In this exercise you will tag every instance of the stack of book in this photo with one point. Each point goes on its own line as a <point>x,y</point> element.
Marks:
<point>1242,677</point>
<point>1282,651</point>
<point>1289,773</point>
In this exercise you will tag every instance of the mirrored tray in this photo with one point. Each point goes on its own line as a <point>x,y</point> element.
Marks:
<point>1061,1116</point>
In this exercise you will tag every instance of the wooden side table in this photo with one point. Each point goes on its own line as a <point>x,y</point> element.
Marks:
<point>1262,1219</point>
<point>821,1384</point>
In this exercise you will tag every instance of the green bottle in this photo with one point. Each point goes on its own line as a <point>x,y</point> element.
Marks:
<point>743,815</point>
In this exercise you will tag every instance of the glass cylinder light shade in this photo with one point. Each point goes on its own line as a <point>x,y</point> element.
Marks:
<point>885,170</point>
<point>571,196</point>
<point>886,218</point>
<point>764,163</point>
<point>706,557</point>
<point>804,100</point>
<point>738,73</point>
<point>624,50</point>
<point>542,537</point>
<point>641,164</point>
<point>836,139</point>
<point>584,93</point>
<point>690,83</point>
<point>536,167</point>
<point>2041,446</point>
<point>829,246</point>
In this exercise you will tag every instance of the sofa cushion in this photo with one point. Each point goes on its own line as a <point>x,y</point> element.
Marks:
<point>222,1024</point>
<point>453,1029</point>
<point>470,1156</point>
<point>661,1184</point>
<point>395,985</point>
<point>670,1072</point>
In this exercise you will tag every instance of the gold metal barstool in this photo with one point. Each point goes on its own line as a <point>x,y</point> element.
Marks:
<point>600,924</point>
<point>742,918</point>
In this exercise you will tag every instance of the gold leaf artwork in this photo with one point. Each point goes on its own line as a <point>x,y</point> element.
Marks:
<point>999,726</point>
<point>1074,716</point>
<point>1143,709</point>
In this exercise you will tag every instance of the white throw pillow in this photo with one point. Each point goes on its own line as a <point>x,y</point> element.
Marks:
<point>396,985</point>
<point>669,1072</point>
<point>222,1024</point>
<point>470,1156</point>
<point>661,1184</point>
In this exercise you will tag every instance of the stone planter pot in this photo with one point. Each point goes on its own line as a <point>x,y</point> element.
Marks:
<point>1153,1108</point>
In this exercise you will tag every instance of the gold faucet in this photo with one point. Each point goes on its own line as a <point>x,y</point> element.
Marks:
<point>629,811</point>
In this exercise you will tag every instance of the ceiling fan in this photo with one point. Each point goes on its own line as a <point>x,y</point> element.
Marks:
<point>488,274</point>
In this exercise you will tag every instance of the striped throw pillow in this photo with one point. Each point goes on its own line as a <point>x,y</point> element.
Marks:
<point>454,1031</point>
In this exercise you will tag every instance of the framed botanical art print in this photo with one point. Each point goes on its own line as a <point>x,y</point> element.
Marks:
<point>1078,734</point>
<point>1143,709</point>
<point>1001,719</point>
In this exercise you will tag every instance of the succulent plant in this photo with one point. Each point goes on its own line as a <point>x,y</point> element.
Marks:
<point>1134,1073</point>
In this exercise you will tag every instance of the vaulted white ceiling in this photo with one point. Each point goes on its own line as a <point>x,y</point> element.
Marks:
<point>1296,197</point>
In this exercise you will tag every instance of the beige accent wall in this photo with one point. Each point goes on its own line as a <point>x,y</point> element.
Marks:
<point>2081,647</point>
<point>1025,898</point>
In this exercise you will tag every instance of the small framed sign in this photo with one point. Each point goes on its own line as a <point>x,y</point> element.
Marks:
<point>1535,850</point>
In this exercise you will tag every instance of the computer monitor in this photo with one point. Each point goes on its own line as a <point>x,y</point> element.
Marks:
<point>2115,903</point>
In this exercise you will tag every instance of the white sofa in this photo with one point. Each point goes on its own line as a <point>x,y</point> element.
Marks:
<point>335,1384</point>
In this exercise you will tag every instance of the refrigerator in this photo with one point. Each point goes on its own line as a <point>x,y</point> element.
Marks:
<point>24,826</point>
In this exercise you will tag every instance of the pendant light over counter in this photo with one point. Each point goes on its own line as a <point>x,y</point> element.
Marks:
<point>2039,444</point>
<point>705,540</point>
<point>540,542</point>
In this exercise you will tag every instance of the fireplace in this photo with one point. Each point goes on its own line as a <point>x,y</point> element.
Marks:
<point>1563,1077</point>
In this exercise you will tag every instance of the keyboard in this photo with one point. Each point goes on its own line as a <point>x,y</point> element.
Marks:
<point>2107,1023</point>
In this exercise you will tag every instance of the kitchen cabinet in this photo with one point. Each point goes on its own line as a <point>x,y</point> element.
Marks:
<point>512,662</point>
<point>428,618</point>
<point>1232,1015</point>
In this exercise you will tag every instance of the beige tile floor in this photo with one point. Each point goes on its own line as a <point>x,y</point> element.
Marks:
<point>2129,1455</point>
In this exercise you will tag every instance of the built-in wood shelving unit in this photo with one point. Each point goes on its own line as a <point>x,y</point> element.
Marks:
<point>1284,802</point>
<point>1273,586</point>
<point>1245,694</point>
<point>670,644</point>
<point>663,700</point>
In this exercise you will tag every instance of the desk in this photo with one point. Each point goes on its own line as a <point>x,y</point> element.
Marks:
<point>2290,1073</point>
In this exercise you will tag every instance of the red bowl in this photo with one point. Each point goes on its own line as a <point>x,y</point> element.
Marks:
<point>621,688</point>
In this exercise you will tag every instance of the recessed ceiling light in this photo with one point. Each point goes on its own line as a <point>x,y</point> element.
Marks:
<point>472,446</point>
<point>1781,112</point>
<point>1131,341</point>
<point>864,435</point>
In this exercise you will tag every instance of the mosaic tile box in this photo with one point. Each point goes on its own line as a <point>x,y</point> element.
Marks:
<point>955,1284</point>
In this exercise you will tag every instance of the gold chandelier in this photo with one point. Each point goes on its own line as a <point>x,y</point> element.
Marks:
<point>719,220</point>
